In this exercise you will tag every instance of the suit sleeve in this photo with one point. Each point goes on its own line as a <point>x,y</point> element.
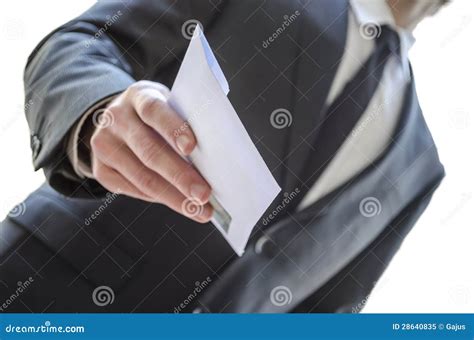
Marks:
<point>97,55</point>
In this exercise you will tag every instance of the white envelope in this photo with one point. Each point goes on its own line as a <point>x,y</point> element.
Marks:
<point>226,156</point>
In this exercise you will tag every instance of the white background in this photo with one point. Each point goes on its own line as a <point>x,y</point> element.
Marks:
<point>433,271</point>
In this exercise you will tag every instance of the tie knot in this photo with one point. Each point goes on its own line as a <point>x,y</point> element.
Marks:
<point>389,38</point>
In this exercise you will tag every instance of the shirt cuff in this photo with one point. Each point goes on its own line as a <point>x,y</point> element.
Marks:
<point>81,165</point>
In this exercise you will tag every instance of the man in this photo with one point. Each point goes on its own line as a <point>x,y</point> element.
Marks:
<point>353,155</point>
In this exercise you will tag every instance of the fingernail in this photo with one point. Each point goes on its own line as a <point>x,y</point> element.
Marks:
<point>200,192</point>
<point>183,142</point>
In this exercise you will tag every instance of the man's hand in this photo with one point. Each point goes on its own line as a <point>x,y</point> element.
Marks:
<point>136,150</point>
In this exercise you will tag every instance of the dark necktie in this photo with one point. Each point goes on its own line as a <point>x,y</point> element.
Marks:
<point>348,107</point>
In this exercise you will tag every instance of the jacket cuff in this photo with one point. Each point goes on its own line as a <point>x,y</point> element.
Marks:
<point>45,147</point>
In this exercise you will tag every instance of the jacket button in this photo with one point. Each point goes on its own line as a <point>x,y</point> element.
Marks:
<point>35,145</point>
<point>266,246</point>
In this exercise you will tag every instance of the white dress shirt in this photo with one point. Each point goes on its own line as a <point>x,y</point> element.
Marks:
<point>373,131</point>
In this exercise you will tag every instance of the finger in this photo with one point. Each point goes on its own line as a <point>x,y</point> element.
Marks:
<point>117,155</point>
<point>120,168</point>
<point>162,191</point>
<point>157,155</point>
<point>144,84</point>
<point>115,182</point>
<point>152,107</point>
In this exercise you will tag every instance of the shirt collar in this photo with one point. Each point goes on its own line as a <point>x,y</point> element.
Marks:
<point>378,12</point>
<point>370,11</point>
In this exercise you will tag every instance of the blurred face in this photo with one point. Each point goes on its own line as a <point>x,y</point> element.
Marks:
<point>410,12</point>
<point>424,8</point>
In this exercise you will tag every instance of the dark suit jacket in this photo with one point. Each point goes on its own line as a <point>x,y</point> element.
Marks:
<point>150,256</point>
